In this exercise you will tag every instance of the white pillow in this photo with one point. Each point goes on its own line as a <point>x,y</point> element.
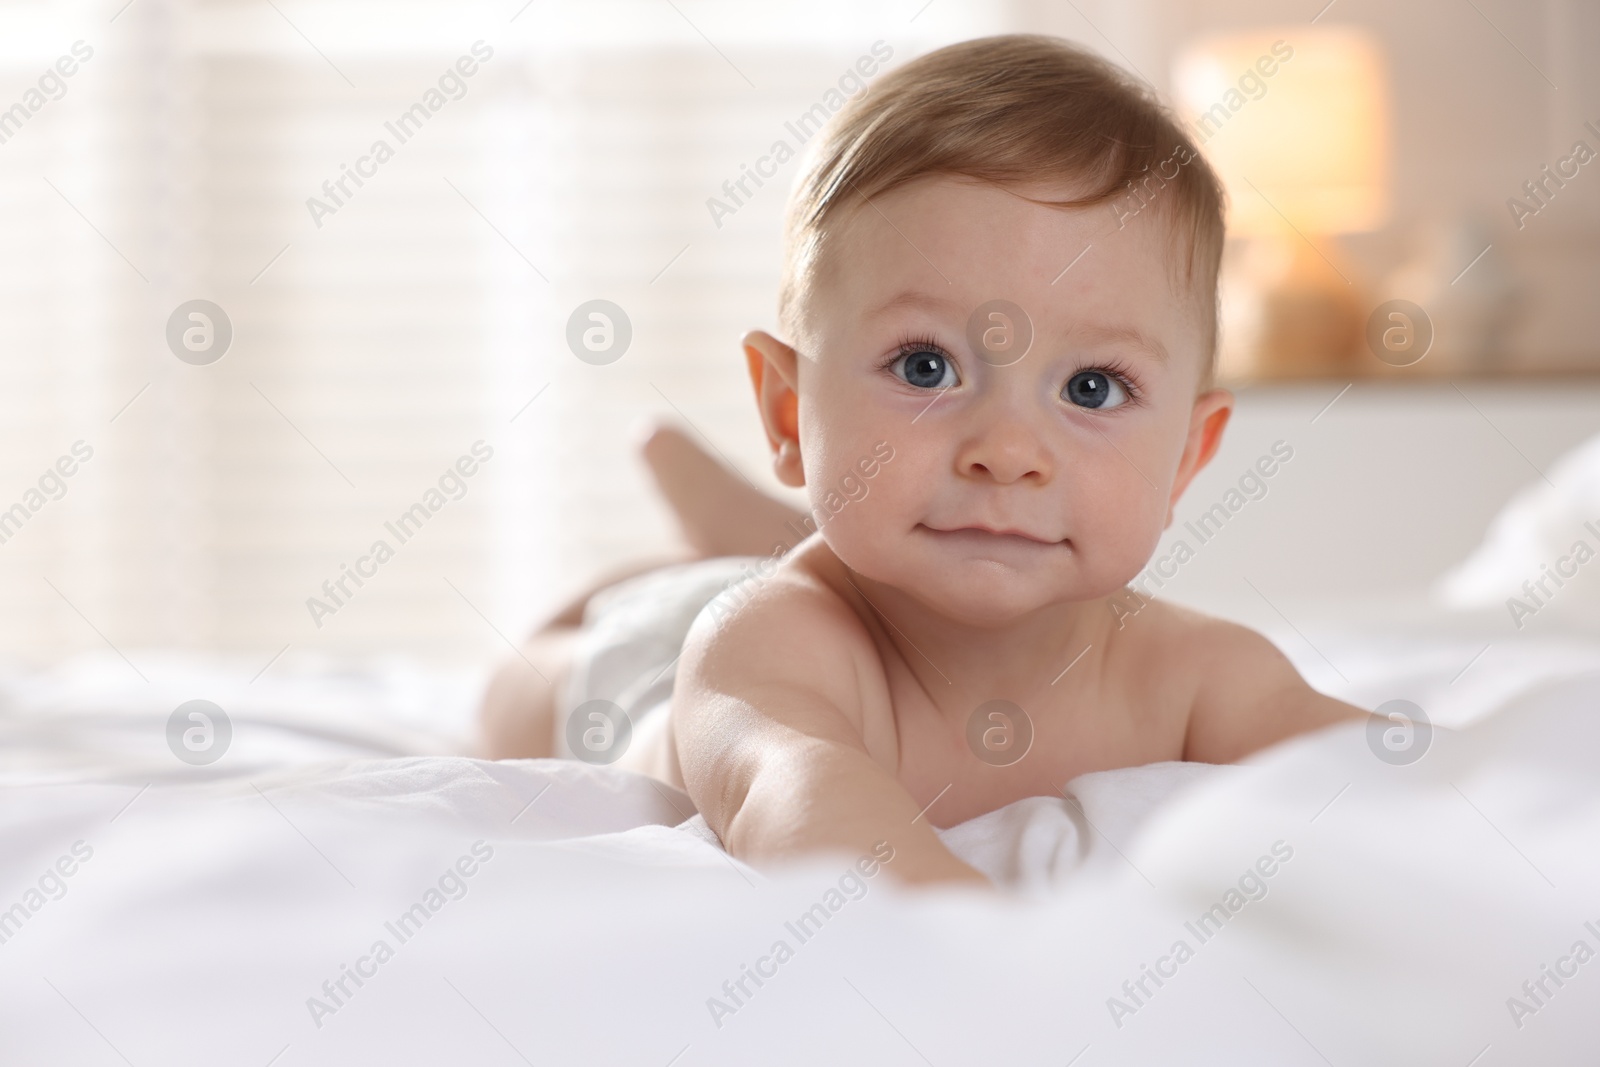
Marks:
<point>1541,554</point>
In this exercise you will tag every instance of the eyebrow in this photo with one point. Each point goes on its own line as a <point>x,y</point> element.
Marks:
<point>914,298</point>
<point>1124,334</point>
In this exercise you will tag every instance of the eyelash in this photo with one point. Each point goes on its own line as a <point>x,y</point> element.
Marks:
<point>911,343</point>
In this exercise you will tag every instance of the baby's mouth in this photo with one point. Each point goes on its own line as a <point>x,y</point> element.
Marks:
<point>983,536</point>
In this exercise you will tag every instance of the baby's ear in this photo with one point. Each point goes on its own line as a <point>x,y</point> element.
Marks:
<point>773,373</point>
<point>1210,415</point>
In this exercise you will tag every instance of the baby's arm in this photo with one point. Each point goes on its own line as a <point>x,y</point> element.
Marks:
<point>767,714</point>
<point>1250,696</point>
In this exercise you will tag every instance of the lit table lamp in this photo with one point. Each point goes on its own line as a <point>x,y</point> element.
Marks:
<point>1296,123</point>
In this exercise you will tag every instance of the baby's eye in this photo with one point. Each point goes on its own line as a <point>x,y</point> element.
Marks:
<point>1095,389</point>
<point>926,369</point>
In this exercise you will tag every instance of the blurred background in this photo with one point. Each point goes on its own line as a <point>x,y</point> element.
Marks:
<point>378,332</point>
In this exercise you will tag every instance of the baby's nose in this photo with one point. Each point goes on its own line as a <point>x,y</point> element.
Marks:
<point>1005,451</point>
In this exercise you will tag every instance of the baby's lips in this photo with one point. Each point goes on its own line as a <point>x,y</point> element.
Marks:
<point>996,532</point>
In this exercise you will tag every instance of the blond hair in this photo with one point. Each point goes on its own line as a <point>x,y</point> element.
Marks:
<point>1019,108</point>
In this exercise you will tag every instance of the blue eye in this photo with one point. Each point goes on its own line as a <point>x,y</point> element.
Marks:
<point>925,369</point>
<point>1095,389</point>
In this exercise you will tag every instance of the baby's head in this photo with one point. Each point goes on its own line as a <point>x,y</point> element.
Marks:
<point>1000,270</point>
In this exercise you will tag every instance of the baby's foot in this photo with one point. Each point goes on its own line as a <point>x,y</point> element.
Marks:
<point>718,510</point>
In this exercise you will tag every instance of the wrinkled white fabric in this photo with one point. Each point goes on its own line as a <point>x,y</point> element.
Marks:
<point>212,918</point>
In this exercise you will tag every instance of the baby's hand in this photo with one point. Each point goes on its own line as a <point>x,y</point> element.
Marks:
<point>767,715</point>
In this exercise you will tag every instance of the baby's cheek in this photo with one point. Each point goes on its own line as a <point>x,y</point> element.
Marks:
<point>1118,535</point>
<point>864,540</point>
<point>867,507</point>
<point>856,505</point>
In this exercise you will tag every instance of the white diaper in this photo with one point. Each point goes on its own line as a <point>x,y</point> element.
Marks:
<point>632,634</point>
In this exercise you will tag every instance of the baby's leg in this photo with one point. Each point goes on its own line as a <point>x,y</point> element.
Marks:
<point>517,718</point>
<point>719,511</point>
<point>720,514</point>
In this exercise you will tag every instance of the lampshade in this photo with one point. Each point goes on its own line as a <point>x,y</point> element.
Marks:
<point>1296,122</point>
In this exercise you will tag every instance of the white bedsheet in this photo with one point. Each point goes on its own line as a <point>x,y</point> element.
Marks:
<point>216,902</point>
<point>1416,901</point>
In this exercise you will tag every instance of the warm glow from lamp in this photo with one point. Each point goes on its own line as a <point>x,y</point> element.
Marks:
<point>1296,123</point>
<point>1312,136</point>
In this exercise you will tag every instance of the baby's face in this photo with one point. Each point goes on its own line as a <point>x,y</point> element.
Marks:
<point>1080,446</point>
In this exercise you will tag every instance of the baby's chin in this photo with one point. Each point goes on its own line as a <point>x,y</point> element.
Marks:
<point>989,602</point>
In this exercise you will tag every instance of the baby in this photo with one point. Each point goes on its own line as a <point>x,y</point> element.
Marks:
<point>999,320</point>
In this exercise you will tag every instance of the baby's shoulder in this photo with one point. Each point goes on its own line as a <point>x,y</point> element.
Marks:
<point>1244,694</point>
<point>1225,666</point>
<point>782,595</point>
<point>1176,635</point>
<point>782,621</point>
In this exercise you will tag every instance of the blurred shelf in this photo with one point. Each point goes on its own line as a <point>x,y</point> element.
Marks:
<point>1583,373</point>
